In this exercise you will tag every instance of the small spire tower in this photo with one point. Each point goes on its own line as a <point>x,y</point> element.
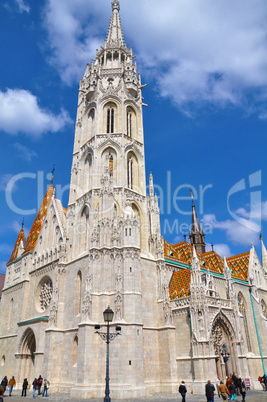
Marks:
<point>196,234</point>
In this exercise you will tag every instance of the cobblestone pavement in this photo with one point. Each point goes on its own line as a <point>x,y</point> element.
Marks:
<point>252,396</point>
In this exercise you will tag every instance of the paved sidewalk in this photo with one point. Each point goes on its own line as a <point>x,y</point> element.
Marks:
<point>252,396</point>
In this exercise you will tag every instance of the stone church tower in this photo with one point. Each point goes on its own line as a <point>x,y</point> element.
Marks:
<point>177,305</point>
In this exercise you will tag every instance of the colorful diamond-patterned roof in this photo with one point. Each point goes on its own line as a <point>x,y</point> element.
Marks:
<point>38,222</point>
<point>213,261</point>
<point>180,284</point>
<point>183,252</point>
<point>17,244</point>
<point>238,264</point>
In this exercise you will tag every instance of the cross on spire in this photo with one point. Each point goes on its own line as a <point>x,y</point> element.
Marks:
<point>22,223</point>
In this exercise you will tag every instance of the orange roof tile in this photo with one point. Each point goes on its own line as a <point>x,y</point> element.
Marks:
<point>213,261</point>
<point>238,264</point>
<point>38,222</point>
<point>17,244</point>
<point>180,284</point>
<point>182,252</point>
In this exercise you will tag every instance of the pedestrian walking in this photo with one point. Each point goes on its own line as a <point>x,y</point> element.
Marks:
<point>11,384</point>
<point>182,390</point>
<point>24,387</point>
<point>39,382</point>
<point>35,387</point>
<point>233,392</point>
<point>223,391</point>
<point>4,383</point>
<point>46,386</point>
<point>243,391</point>
<point>210,389</point>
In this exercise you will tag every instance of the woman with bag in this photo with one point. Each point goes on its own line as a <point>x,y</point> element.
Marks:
<point>46,386</point>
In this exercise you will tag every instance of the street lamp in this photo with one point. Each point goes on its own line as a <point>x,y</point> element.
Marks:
<point>225,356</point>
<point>108,337</point>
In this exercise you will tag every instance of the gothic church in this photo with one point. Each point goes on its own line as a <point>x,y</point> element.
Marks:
<point>177,305</point>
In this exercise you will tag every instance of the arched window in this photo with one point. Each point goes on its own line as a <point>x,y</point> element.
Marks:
<point>130,173</point>
<point>78,292</point>
<point>111,164</point>
<point>110,120</point>
<point>75,351</point>
<point>91,119</point>
<point>242,310</point>
<point>129,124</point>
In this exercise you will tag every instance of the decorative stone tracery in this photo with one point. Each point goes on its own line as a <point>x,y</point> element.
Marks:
<point>46,294</point>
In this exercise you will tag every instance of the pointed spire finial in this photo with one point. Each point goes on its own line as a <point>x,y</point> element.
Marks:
<point>212,247</point>
<point>22,223</point>
<point>52,174</point>
<point>115,5</point>
<point>260,236</point>
<point>192,196</point>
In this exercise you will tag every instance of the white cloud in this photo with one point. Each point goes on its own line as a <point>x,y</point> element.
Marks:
<point>20,112</point>
<point>258,211</point>
<point>24,152</point>
<point>211,51</point>
<point>220,248</point>
<point>22,6</point>
<point>243,231</point>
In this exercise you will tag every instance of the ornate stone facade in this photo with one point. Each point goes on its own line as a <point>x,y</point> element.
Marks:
<point>107,249</point>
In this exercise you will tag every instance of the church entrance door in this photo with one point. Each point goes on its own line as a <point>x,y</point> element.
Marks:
<point>25,357</point>
<point>223,348</point>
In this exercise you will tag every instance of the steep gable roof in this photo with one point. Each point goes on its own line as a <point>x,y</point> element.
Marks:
<point>20,239</point>
<point>238,264</point>
<point>180,284</point>
<point>39,220</point>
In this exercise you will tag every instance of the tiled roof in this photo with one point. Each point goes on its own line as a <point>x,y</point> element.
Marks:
<point>38,222</point>
<point>17,244</point>
<point>182,253</point>
<point>180,284</point>
<point>238,264</point>
<point>213,261</point>
<point>2,282</point>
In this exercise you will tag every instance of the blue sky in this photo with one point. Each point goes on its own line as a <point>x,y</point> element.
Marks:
<point>205,126</point>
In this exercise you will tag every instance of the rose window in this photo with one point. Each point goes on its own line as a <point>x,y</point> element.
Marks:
<point>46,294</point>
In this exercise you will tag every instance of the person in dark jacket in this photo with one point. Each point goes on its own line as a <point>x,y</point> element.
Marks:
<point>233,392</point>
<point>24,387</point>
<point>182,390</point>
<point>243,391</point>
<point>4,383</point>
<point>40,382</point>
<point>210,391</point>
<point>35,387</point>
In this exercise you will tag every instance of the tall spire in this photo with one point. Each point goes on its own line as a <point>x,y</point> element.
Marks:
<point>196,233</point>
<point>115,34</point>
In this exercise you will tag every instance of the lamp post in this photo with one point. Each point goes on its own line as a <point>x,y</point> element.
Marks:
<point>225,356</point>
<point>107,337</point>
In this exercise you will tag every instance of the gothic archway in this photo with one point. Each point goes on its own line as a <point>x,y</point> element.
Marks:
<point>26,355</point>
<point>222,336</point>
